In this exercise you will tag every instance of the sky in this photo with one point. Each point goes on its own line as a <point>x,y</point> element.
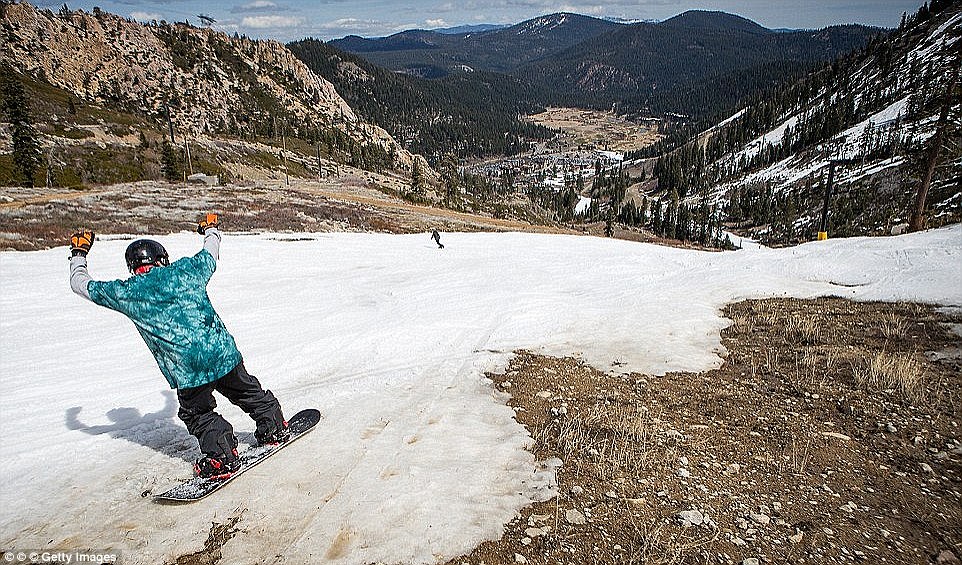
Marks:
<point>287,20</point>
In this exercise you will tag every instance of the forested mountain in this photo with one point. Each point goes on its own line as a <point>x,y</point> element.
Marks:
<point>433,54</point>
<point>697,63</point>
<point>677,65</point>
<point>466,114</point>
<point>869,129</point>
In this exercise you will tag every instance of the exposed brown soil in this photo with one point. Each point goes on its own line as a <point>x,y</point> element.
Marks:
<point>38,218</point>
<point>218,536</point>
<point>596,127</point>
<point>830,435</point>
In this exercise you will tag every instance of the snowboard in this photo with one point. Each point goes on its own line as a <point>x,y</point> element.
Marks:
<point>198,487</point>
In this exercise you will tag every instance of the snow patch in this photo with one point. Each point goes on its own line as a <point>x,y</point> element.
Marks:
<point>417,458</point>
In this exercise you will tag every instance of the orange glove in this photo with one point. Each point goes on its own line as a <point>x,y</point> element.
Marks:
<point>81,242</point>
<point>209,222</point>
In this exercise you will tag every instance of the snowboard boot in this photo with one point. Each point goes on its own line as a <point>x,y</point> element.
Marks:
<point>219,466</point>
<point>272,433</point>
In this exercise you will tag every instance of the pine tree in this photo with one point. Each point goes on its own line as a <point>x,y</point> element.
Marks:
<point>417,177</point>
<point>170,162</point>
<point>27,156</point>
<point>450,180</point>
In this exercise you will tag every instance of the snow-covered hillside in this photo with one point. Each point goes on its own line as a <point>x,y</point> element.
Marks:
<point>934,51</point>
<point>872,115</point>
<point>417,458</point>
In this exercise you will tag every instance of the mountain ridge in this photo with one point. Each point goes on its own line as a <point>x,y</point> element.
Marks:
<point>599,62</point>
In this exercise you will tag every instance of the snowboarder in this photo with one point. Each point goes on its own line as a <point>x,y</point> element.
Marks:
<point>437,238</point>
<point>169,306</point>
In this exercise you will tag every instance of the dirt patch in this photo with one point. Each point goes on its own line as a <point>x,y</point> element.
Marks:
<point>597,128</point>
<point>830,435</point>
<point>36,219</point>
<point>218,536</point>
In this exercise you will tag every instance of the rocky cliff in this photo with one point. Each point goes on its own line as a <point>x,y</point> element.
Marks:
<point>209,82</point>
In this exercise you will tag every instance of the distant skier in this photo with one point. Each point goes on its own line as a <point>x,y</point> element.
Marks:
<point>437,238</point>
<point>168,304</point>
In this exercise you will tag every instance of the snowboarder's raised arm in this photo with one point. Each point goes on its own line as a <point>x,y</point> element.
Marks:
<point>80,244</point>
<point>208,228</point>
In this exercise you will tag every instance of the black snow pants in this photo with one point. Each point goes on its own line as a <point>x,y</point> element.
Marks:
<point>215,434</point>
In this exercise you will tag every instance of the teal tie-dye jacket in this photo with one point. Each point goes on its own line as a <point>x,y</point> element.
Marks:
<point>171,310</point>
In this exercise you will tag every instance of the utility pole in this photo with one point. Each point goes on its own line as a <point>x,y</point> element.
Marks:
<point>287,178</point>
<point>50,168</point>
<point>190,165</point>
<point>829,187</point>
<point>823,225</point>
<point>170,123</point>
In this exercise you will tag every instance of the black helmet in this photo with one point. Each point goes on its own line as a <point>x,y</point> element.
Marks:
<point>145,252</point>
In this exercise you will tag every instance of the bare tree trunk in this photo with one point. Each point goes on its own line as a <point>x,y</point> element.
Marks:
<point>917,222</point>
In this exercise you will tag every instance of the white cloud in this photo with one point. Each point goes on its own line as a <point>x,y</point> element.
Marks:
<point>145,16</point>
<point>435,23</point>
<point>354,24</point>
<point>267,22</point>
<point>257,6</point>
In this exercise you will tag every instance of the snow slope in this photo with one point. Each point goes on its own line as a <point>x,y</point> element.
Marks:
<point>417,458</point>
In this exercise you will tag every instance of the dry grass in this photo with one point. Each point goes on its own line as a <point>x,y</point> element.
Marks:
<point>893,373</point>
<point>619,441</point>
<point>806,330</point>
<point>808,418</point>
<point>892,325</point>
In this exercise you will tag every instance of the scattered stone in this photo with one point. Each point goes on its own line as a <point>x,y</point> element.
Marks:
<point>948,558</point>
<point>739,541</point>
<point>848,507</point>
<point>750,561</point>
<point>926,468</point>
<point>575,518</point>
<point>683,473</point>
<point>734,468</point>
<point>577,491</point>
<point>797,538</point>
<point>518,558</point>
<point>534,532</point>
<point>534,518</point>
<point>890,428</point>
<point>690,518</point>
<point>544,394</point>
<point>763,519</point>
<point>683,461</point>
<point>837,435</point>
<point>611,494</point>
